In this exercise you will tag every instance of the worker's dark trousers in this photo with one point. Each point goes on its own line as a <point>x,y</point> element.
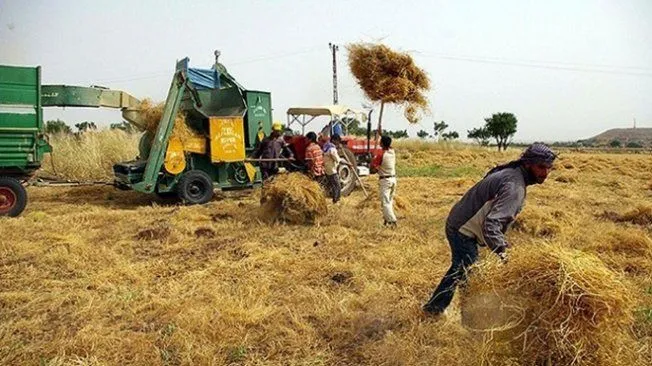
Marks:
<point>464,253</point>
<point>268,172</point>
<point>335,186</point>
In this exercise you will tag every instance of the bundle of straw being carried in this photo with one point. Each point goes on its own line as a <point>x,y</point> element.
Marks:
<point>550,305</point>
<point>152,112</point>
<point>388,76</point>
<point>293,198</point>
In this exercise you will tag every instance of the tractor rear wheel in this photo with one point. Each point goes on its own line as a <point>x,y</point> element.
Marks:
<point>13,197</point>
<point>195,187</point>
<point>346,172</point>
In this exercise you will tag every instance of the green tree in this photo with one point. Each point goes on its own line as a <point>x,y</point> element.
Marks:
<point>634,145</point>
<point>57,126</point>
<point>124,126</point>
<point>480,135</point>
<point>85,126</point>
<point>502,127</point>
<point>400,134</point>
<point>615,143</point>
<point>354,127</point>
<point>587,143</point>
<point>423,134</point>
<point>453,135</point>
<point>439,128</point>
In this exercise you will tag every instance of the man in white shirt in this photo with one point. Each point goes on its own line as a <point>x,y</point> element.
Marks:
<point>385,164</point>
<point>331,163</point>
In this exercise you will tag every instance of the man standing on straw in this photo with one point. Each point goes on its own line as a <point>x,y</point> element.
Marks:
<point>385,164</point>
<point>331,163</point>
<point>483,215</point>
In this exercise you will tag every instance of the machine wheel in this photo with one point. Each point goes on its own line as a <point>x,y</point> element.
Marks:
<point>346,173</point>
<point>13,197</point>
<point>195,187</point>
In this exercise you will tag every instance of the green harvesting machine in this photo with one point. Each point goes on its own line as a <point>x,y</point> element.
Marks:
<point>226,122</point>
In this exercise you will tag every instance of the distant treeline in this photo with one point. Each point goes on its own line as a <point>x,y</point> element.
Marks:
<point>60,127</point>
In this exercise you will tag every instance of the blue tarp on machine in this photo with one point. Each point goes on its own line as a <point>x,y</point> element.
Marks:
<point>204,78</point>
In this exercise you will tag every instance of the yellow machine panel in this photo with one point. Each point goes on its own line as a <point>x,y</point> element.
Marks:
<point>195,144</point>
<point>227,139</point>
<point>251,171</point>
<point>175,158</point>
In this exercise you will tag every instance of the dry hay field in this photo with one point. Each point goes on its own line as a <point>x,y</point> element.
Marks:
<point>95,276</point>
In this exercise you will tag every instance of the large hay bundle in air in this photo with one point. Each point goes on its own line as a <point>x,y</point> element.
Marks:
<point>550,305</point>
<point>152,112</point>
<point>388,76</point>
<point>293,198</point>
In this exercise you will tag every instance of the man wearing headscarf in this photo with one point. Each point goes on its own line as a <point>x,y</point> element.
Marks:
<point>483,215</point>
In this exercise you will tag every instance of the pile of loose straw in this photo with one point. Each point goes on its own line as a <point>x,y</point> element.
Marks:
<point>552,305</point>
<point>152,112</point>
<point>293,198</point>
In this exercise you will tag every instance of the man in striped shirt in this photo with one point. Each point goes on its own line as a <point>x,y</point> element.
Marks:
<point>314,156</point>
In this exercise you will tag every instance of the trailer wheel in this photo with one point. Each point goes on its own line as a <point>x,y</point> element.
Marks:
<point>195,187</point>
<point>13,197</point>
<point>346,172</point>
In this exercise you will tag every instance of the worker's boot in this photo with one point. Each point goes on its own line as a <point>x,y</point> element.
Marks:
<point>390,224</point>
<point>429,313</point>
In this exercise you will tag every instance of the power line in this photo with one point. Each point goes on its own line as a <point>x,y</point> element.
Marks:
<point>162,73</point>
<point>274,57</point>
<point>563,63</point>
<point>134,77</point>
<point>548,65</point>
<point>544,65</point>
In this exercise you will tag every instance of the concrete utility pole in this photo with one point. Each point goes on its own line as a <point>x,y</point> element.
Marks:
<point>334,48</point>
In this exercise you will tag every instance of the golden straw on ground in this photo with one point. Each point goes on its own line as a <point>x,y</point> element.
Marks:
<point>373,201</point>
<point>293,198</point>
<point>550,304</point>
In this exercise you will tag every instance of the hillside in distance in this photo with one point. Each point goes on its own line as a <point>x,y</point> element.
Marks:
<point>642,136</point>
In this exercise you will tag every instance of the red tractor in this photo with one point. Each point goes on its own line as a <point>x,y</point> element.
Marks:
<point>358,151</point>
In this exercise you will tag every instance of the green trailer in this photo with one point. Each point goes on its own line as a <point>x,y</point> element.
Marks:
<point>22,142</point>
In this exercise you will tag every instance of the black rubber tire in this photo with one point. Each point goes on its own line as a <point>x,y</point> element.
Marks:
<point>13,197</point>
<point>346,173</point>
<point>195,187</point>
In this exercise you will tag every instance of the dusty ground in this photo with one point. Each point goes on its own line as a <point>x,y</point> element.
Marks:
<point>91,275</point>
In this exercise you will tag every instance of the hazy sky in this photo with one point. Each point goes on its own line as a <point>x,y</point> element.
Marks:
<point>567,69</point>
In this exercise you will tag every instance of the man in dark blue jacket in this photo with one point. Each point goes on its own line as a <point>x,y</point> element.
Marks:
<point>483,215</point>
